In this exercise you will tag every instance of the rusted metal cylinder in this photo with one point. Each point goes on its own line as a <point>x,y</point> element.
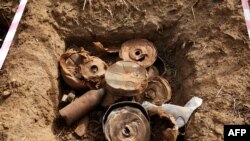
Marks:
<point>81,106</point>
<point>126,78</point>
<point>126,121</point>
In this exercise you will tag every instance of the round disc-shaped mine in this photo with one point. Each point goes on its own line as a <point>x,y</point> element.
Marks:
<point>125,78</point>
<point>69,62</point>
<point>127,124</point>
<point>141,51</point>
<point>94,68</point>
<point>157,92</point>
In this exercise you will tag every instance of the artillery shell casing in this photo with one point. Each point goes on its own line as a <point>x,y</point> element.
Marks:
<point>81,106</point>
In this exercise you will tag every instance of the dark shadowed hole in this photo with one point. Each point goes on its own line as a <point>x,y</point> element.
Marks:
<point>126,132</point>
<point>173,57</point>
<point>94,69</point>
<point>137,52</point>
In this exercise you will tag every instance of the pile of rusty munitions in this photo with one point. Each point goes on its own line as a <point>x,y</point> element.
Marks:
<point>120,85</point>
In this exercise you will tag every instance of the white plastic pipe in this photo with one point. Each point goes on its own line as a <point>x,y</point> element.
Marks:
<point>11,32</point>
<point>181,114</point>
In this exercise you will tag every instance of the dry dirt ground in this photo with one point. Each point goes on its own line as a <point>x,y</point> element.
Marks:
<point>204,45</point>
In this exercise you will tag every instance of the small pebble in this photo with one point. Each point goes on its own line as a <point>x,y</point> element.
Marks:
<point>6,94</point>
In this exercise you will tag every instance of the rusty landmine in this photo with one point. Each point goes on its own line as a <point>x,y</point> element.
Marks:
<point>141,51</point>
<point>126,121</point>
<point>125,78</point>
<point>157,92</point>
<point>80,70</point>
<point>163,125</point>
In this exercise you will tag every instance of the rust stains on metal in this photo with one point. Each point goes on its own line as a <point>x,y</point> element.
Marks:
<point>109,99</point>
<point>126,78</point>
<point>93,69</point>
<point>69,62</point>
<point>102,50</point>
<point>126,122</point>
<point>80,70</point>
<point>157,92</point>
<point>152,72</point>
<point>81,106</point>
<point>141,51</point>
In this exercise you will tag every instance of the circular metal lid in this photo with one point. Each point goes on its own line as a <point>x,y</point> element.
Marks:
<point>141,51</point>
<point>126,121</point>
<point>93,68</point>
<point>157,92</point>
<point>126,78</point>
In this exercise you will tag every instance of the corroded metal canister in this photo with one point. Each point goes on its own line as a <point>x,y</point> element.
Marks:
<point>69,64</point>
<point>126,121</point>
<point>141,51</point>
<point>81,106</point>
<point>81,70</point>
<point>125,78</point>
<point>158,91</point>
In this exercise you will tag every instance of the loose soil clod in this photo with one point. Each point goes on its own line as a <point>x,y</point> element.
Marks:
<point>82,126</point>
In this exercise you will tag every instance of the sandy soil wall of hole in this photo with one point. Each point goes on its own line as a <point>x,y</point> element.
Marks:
<point>206,52</point>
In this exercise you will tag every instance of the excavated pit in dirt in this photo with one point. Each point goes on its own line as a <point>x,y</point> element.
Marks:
<point>173,56</point>
<point>205,50</point>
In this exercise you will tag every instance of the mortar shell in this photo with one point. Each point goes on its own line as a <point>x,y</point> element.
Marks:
<point>81,106</point>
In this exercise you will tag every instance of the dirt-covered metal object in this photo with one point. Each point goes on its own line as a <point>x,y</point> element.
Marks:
<point>81,70</point>
<point>157,92</point>
<point>126,121</point>
<point>69,62</point>
<point>81,106</point>
<point>109,99</point>
<point>93,69</point>
<point>125,78</point>
<point>152,72</point>
<point>163,125</point>
<point>141,51</point>
<point>102,50</point>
